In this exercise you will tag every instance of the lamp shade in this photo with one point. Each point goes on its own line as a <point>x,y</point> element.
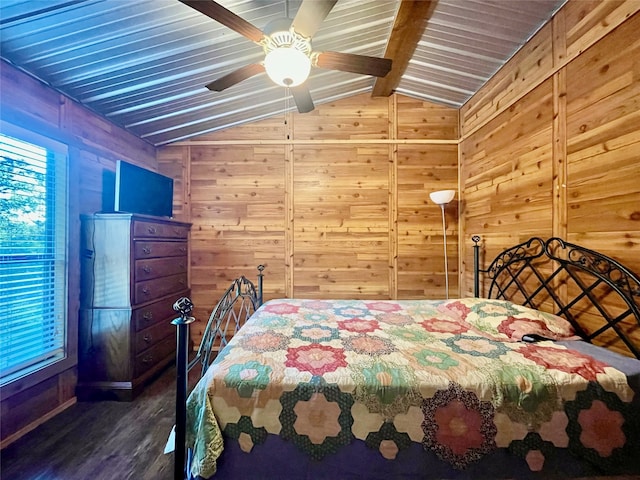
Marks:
<point>287,66</point>
<point>442,197</point>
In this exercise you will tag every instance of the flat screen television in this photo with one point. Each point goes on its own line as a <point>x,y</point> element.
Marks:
<point>143,191</point>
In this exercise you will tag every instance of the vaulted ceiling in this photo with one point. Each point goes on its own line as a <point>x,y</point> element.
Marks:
<point>144,64</point>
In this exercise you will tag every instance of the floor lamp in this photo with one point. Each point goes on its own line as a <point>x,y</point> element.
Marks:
<point>442,198</point>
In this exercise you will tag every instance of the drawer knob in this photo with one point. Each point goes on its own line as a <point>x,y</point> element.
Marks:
<point>147,338</point>
<point>146,290</point>
<point>146,250</point>
<point>147,360</point>
<point>151,230</point>
<point>148,315</point>
<point>183,249</point>
<point>147,269</point>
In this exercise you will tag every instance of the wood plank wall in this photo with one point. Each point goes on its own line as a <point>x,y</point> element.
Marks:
<point>335,203</point>
<point>550,146</point>
<point>94,145</point>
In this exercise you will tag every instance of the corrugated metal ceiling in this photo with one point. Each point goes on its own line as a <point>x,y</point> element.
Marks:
<point>143,64</point>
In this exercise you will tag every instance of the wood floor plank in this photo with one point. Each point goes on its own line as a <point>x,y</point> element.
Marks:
<point>100,440</point>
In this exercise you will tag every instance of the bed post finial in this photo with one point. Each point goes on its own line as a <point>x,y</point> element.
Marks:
<point>476,265</point>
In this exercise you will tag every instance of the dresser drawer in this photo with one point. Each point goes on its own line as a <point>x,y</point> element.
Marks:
<point>154,313</point>
<point>150,358</point>
<point>149,290</point>
<point>151,249</point>
<point>146,269</point>
<point>153,335</point>
<point>134,270</point>
<point>142,229</point>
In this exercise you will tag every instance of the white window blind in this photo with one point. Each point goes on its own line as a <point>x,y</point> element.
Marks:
<point>33,251</point>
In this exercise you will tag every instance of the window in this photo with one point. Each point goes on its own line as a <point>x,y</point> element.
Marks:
<point>33,253</point>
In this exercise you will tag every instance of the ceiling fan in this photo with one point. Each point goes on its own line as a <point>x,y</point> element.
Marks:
<point>287,46</point>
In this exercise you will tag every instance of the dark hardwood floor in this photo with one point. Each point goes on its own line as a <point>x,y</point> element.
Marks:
<point>100,440</point>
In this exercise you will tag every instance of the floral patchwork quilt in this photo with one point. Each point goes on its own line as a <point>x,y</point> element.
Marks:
<point>446,388</point>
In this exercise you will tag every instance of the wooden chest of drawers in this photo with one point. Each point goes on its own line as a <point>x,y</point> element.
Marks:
<point>134,268</point>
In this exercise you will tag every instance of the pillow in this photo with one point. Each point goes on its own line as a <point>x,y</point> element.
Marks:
<point>504,320</point>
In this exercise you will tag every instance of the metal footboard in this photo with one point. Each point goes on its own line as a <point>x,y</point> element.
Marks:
<point>231,312</point>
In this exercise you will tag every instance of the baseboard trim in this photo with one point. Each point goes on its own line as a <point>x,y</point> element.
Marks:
<point>5,442</point>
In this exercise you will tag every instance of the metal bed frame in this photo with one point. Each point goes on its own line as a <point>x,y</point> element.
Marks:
<point>562,277</point>
<point>570,281</point>
<point>235,307</point>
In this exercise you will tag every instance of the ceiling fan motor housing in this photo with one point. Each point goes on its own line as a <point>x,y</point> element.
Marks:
<point>287,54</point>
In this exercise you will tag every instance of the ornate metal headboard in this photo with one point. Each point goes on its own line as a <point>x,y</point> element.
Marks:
<point>234,308</point>
<point>597,294</point>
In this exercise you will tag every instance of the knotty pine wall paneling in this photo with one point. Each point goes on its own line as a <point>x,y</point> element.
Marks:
<point>527,68</point>
<point>560,133</point>
<point>423,168</point>
<point>237,210</point>
<point>335,202</point>
<point>506,175</point>
<point>173,162</point>
<point>341,221</point>
<point>233,192</point>
<point>341,201</point>
<point>94,146</point>
<point>603,152</point>
<point>603,145</point>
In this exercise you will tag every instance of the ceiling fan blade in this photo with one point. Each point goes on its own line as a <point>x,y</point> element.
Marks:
<point>236,77</point>
<point>303,99</point>
<point>310,16</point>
<point>349,62</point>
<point>227,18</point>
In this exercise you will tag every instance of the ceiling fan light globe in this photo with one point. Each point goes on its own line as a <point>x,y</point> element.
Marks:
<point>287,66</point>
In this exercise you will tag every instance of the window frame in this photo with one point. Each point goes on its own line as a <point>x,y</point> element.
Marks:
<point>70,359</point>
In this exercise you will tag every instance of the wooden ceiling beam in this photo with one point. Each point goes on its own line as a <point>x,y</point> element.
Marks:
<point>409,25</point>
